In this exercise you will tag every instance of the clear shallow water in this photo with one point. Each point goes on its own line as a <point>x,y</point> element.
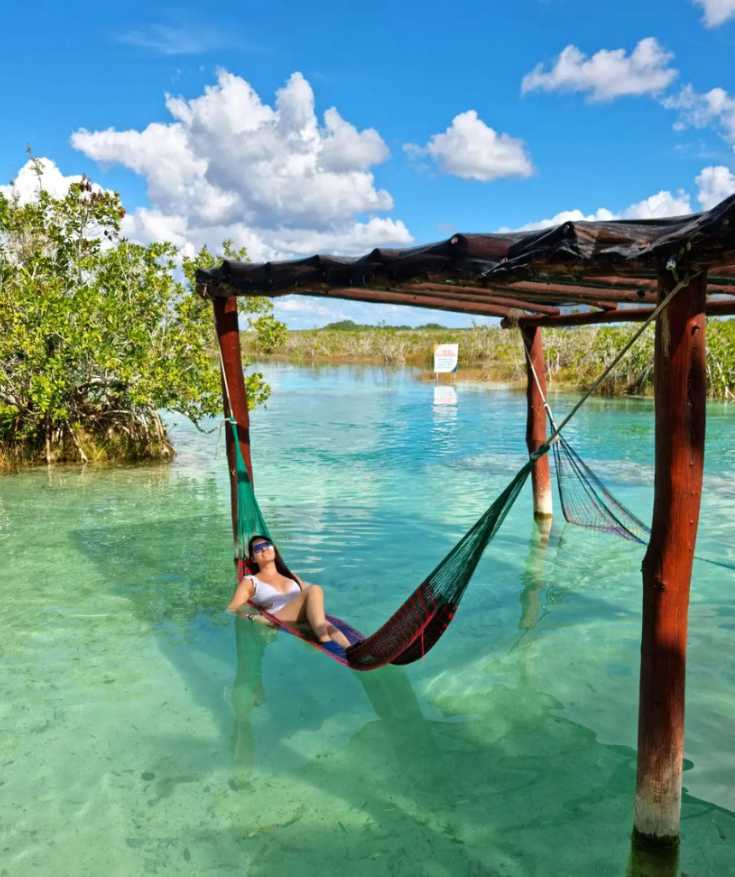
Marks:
<point>142,730</point>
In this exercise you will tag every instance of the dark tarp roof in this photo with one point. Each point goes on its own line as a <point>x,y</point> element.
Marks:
<point>626,248</point>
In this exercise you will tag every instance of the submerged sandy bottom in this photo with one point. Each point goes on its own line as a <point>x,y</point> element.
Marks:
<point>143,731</point>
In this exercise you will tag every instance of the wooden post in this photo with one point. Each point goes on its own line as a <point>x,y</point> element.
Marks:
<point>228,335</point>
<point>680,423</point>
<point>536,421</point>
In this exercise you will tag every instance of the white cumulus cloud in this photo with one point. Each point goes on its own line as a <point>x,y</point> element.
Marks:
<point>474,151</point>
<point>37,174</point>
<point>271,178</point>
<point>716,12</point>
<point>702,109</point>
<point>608,74</point>
<point>715,184</point>
<point>575,215</point>
<point>662,204</point>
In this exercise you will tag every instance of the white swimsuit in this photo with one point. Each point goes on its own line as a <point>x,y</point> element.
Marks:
<point>267,597</point>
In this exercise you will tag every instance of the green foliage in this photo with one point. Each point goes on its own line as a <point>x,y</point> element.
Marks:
<point>344,326</point>
<point>270,333</point>
<point>352,326</point>
<point>721,358</point>
<point>634,375</point>
<point>98,334</point>
<point>574,356</point>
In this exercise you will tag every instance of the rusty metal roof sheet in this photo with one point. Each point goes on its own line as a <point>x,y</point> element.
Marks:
<point>600,256</point>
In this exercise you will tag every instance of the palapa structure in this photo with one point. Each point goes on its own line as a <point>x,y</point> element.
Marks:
<point>577,273</point>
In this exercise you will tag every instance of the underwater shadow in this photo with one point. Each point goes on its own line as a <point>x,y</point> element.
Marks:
<point>501,784</point>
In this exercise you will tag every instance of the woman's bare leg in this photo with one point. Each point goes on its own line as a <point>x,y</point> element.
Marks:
<point>310,605</point>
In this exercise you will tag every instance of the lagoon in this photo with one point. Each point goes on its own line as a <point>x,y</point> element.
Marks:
<point>145,731</point>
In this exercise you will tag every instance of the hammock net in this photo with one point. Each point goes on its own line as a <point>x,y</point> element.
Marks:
<point>586,502</point>
<point>421,620</point>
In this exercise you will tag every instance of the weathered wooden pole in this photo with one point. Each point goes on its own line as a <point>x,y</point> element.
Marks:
<point>680,424</point>
<point>234,394</point>
<point>536,421</point>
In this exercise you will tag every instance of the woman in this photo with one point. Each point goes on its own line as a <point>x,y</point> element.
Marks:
<point>273,587</point>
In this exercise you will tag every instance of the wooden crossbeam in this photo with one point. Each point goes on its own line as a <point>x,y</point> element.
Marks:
<point>620,315</point>
<point>416,299</point>
<point>479,293</point>
<point>549,291</point>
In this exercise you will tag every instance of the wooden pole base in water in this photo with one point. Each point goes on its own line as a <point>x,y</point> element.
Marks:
<point>536,422</point>
<point>234,394</point>
<point>652,861</point>
<point>680,423</point>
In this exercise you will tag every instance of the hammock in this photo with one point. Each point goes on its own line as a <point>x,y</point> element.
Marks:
<point>586,502</point>
<point>584,499</point>
<point>420,621</point>
<point>418,624</point>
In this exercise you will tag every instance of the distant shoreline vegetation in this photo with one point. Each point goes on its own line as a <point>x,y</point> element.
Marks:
<point>574,356</point>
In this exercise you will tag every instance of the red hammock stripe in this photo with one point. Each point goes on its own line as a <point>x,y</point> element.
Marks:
<point>352,635</point>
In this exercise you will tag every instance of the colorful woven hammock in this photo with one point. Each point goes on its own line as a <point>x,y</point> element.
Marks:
<point>415,626</point>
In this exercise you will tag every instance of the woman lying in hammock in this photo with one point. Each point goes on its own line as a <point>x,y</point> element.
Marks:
<point>271,588</point>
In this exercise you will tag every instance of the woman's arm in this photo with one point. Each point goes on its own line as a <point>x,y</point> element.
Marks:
<point>243,592</point>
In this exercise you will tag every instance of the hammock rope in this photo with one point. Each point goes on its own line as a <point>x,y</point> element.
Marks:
<point>585,500</point>
<point>626,347</point>
<point>421,620</point>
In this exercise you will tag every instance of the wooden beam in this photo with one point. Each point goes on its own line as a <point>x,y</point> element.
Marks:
<point>650,283</point>
<point>536,420</point>
<point>570,299</point>
<point>480,294</point>
<point>583,291</point>
<point>418,300</point>
<point>547,291</point>
<point>627,315</point>
<point>722,283</point>
<point>519,298</point>
<point>680,392</point>
<point>234,392</point>
<point>622,282</point>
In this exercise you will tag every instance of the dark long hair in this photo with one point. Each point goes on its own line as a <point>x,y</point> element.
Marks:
<point>280,562</point>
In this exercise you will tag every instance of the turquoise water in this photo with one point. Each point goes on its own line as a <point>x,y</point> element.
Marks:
<point>145,731</point>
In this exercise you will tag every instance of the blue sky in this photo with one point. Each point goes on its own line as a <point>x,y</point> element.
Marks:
<point>470,117</point>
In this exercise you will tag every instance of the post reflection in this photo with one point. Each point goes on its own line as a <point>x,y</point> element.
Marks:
<point>248,692</point>
<point>532,578</point>
<point>649,861</point>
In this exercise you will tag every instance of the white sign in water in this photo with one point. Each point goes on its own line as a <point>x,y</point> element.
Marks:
<point>445,358</point>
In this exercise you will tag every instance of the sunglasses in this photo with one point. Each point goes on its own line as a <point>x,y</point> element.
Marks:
<point>261,546</point>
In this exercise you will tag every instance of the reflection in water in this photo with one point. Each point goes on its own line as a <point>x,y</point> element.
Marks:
<point>532,578</point>
<point>445,394</point>
<point>248,691</point>
<point>646,861</point>
<point>405,735</point>
<point>408,736</point>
